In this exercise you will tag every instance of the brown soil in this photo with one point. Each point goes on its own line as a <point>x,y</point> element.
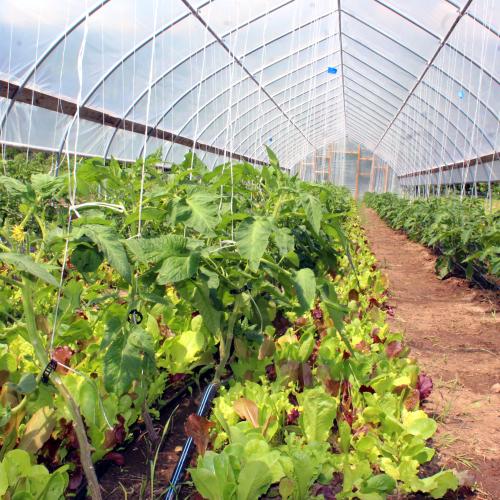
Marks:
<point>118,483</point>
<point>453,332</point>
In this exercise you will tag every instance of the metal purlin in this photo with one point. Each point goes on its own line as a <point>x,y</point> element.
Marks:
<point>199,51</point>
<point>276,143</point>
<point>440,113</point>
<point>47,53</point>
<point>339,8</point>
<point>436,37</point>
<point>429,143</point>
<point>238,61</point>
<point>227,89</point>
<point>265,124</point>
<point>242,115</point>
<point>427,67</point>
<point>425,84</point>
<point>475,18</point>
<point>447,75</point>
<point>418,111</point>
<point>286,89</point>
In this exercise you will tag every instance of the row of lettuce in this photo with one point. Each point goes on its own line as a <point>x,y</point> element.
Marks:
<point>250,274</point>
<point>464,235</point>
<point>322,409</point>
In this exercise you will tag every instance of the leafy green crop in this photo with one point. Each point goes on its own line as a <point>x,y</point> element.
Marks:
<point>271,272</point>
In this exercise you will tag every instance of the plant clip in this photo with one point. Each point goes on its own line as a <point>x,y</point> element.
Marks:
<point>51,366</point>
<point>245,288</point>
<point>135,317</point>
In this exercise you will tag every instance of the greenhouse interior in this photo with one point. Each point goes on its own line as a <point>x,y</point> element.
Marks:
<point>249,249</point>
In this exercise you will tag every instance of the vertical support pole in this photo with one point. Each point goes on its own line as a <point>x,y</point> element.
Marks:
<point>358,166</point>
<point>372,175</point>
<point>386,175</point>
<point>329,160</point>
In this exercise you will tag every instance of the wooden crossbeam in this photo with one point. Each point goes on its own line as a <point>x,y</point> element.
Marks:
<point>66,106</point>
<point>462,164</point>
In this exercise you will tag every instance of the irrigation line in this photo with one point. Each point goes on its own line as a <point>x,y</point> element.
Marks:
<point>208,395</point>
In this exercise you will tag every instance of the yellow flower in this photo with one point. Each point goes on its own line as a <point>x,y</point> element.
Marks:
<point>172,294</point>
<point>18,233</point>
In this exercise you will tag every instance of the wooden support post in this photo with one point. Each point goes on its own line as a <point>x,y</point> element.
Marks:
<point>386,175</point>
<point>358,166</point>
<point>372,175</point>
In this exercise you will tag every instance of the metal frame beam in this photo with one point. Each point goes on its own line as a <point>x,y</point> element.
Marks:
<point>47,53</point>
<point>286,89</point>
<point>439,93</point>
<point>228,89</point>
<point>222,68</point>
<point>70,108</point>
<point>339,8</point>
<point>427,67</point>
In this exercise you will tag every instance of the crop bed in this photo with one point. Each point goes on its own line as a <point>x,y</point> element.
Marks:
<point>460,231</point>
<point>122,282</point>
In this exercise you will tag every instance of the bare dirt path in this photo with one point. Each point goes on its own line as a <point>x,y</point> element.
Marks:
<point>454,333</point>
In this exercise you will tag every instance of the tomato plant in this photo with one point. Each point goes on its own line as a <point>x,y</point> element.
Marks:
<point>121,280</point>
<point>465,237</point>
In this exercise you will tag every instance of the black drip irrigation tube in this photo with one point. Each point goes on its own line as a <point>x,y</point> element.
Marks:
<point>102,467</point>
<point>206,400</point>
<point>478,277</point>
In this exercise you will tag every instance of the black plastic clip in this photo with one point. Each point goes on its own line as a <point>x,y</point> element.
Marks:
<point>244,288</point>
<point>51,366</point>
<point>135,317</point>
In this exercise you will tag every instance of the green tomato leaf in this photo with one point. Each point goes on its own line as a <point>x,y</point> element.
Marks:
<point>284,240</point>
<point>313,210</point>
<point>252,238</point>
<point>28,265</point>
<point>199,211</point>
<point>178,268</point>
<point>27,384</point>
<point>48,186</point>
<point>273,159</point>
<point>125,358</point>
<point>156,249</point>
<point>86,259</point>
<point>305,286</point>
<point>110,245</point>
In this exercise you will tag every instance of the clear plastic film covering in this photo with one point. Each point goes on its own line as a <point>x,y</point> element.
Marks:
<point>414,83</point>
